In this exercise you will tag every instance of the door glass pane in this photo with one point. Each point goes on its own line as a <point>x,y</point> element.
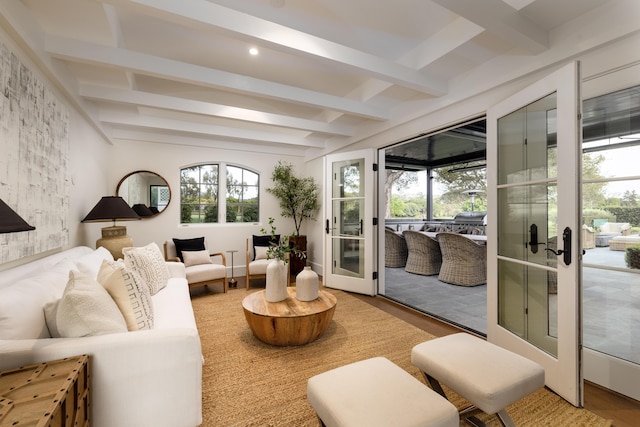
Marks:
<point>526,139</point>
<point>348,215</point>
<point>348,257</point>
<point>527,223</point>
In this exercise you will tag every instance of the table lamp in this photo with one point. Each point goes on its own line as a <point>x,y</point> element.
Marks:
<point>10,221</point>
<point>114,238</point>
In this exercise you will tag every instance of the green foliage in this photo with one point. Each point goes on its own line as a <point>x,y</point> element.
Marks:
<point>298,196</point>
<point>211,213</point>
<point>185,213</point>
<point>282,248</point>
<point>632,256</point>
<point>625,214</point>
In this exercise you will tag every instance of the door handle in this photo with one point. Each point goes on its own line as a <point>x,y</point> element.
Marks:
<point>566,252</point>
<point>533,238</point>
<point>327,228</point>
<point>361,226</point>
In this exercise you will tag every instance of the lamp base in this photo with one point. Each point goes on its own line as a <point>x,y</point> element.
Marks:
<point>114,239</point>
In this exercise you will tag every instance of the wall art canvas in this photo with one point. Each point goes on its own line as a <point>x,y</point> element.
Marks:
<point>34,162</point>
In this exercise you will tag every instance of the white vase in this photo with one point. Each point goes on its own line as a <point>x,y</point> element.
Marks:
<point>307,285</point>
<point>276,287</point>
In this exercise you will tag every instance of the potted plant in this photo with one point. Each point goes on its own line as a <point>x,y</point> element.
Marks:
<point>298,200</point>
<point>277,274</point>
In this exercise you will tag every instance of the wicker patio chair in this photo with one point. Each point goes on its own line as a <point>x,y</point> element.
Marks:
<point>464,262</point>
<point>424,253</point>
<point>395,249</point>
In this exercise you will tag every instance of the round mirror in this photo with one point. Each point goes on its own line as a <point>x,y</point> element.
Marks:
<point>146,192</point>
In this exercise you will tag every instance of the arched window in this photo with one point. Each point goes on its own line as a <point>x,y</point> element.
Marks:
<point>242,195</point>
<point>207,190</point>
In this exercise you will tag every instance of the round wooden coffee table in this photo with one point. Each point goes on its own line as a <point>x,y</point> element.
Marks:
<point>288,322</point>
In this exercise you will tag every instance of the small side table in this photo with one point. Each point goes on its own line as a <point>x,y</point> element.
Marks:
<point>233,283</point>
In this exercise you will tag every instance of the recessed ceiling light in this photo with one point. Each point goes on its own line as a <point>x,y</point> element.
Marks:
<point>253,51</point>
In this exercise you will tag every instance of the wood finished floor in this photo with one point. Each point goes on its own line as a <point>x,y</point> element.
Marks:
<point>624,412</point>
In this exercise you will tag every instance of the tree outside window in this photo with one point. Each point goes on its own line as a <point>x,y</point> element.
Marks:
<point>242,195</point>
<point>199,194</point>
<point>199,187</point>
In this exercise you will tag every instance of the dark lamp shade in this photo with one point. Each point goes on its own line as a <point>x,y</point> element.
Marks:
<point>10,221</point>
<point>142,209</point>
<point>111,208</point>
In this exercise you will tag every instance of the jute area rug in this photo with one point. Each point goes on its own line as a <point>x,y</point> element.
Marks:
<point>248,383</point>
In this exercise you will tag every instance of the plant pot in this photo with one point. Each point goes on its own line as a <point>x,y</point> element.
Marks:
<point>276,286</point>
<point>297,262</point>
<point>307,285</point>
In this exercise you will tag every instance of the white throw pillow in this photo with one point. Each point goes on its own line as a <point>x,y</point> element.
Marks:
<point>261,252</point>
<point>86,309</point>
<point>50,313</point>
<point>130,293</point>
<point>89,264</point>
<point>196,258</point>
<point>148,262</point>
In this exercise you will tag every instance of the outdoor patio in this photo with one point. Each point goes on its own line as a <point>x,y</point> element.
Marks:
<point>611,302</point>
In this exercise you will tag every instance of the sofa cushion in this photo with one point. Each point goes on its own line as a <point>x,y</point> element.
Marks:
<point>261,252</point>
<point>148,262</point>
<point>196,258</point>
<point>87,309</point>
<point>22,303</point>
<point>130,294</point>
<point>195,244</point>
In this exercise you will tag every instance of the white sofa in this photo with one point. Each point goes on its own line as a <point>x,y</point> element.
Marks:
<point>140,378</point>
<point>620,228</point>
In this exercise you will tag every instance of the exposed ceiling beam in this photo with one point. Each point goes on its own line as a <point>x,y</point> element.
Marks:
<point>210,14</point>
<point>126,119</point>
<point>502,20</point>
<point>133,97</point>
<point>89,53</point>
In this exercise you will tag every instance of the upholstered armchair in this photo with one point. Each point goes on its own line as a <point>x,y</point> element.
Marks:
<point>201,267</point>
<point>464,262</point>
<point>424,254</point>
<point>256,258</point>
<point>395,249</point>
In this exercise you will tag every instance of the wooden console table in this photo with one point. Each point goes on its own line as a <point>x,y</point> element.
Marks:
<point>288,322</point>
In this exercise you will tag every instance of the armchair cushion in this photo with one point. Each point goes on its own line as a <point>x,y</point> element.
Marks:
<point>196,258</point>
<point>195,244</point>
<point>263,242</point>
<point>261,252</point>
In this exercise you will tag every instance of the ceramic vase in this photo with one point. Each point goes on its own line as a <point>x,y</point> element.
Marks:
<point>307,285</point>
<point>276,287</point>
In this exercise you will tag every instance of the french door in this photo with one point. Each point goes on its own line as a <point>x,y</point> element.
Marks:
<point>349,256</point>
<point>533,176</point>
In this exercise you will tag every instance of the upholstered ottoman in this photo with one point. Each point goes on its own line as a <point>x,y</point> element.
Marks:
<point>377,392</point>
<point>488,376</point>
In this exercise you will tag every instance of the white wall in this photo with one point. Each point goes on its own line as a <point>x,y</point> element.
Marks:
<point>167,160</point>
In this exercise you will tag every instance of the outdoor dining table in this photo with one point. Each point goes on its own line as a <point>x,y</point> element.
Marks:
<point>475,237</point>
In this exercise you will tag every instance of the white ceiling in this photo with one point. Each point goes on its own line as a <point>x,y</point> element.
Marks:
<point>329,72</point>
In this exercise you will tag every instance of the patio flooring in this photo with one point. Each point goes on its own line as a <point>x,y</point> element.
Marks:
<point>611,302</point>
